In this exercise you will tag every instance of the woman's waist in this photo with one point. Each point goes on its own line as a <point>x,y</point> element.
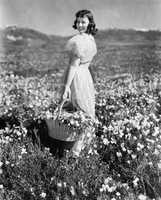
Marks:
<point>83,61</point>
<point>84,65</point>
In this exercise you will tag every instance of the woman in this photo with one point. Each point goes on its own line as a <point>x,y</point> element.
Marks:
<point>81,48</point>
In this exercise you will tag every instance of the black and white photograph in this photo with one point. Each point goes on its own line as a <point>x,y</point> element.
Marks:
<point>80,100</point>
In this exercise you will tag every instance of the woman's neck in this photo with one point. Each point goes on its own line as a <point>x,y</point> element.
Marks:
<point>82,33</point>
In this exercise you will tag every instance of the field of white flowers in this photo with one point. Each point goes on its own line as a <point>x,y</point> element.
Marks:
<point>123,162</point>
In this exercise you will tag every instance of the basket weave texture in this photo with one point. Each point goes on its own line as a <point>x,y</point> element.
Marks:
<point>58,130</point>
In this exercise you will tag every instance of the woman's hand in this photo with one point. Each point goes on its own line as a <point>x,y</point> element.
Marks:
<point>66,93</point>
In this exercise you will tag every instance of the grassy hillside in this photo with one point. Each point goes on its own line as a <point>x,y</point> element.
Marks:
<point>28,52</point>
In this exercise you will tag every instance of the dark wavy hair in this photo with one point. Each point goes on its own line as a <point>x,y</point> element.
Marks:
<point>91,29</point>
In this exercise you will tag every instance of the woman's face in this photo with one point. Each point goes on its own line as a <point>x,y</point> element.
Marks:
<point>82,24</point>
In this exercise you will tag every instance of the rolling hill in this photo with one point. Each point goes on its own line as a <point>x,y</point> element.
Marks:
<point>27,51</point>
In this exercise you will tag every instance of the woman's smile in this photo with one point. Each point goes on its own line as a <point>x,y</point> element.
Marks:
<point>82,24</point>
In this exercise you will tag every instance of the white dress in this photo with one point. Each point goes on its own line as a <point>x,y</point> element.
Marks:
<point>82,88</point>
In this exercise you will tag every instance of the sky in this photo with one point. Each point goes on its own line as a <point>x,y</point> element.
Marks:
<point>56,17</point>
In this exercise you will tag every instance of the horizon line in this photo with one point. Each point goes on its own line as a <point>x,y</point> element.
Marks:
<point>105,29</point>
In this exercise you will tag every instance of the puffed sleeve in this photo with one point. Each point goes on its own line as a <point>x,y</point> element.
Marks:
<point>73,46</point>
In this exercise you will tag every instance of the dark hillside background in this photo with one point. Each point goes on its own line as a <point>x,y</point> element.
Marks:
<point>29,52</point>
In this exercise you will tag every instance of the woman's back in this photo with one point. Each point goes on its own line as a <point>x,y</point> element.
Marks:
<point>83,46</point>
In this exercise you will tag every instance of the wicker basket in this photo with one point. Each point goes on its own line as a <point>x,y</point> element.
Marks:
<point>60,131</point>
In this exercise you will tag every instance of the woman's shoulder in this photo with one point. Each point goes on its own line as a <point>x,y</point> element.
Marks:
<point>82,39</point>
<point>73,42</point>
<point>74,38</point>
<point>81,43</point>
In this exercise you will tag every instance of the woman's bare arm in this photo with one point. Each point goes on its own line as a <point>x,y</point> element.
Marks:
<point>73,64</point>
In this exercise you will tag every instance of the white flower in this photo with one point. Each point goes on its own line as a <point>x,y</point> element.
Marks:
<point>104,128</point>
<point>128,161</point>
<point>7,138</point>
<point>47,149</point>
<point>159,165</point>
<point>150,140</point>
<point>1,186</point>
<point>119,154</point>
<point>156,131</point>
<point>72,121</point>
<point>146,132</point>
<point>19,157</point>
<point>1,163</point>
<point>64,184</point>
<point>105,141</point>
<point>113,141</point>
<point>76,123</point>
<point>133,156</point>
<point>90,151</point>
<point>52,178</point>
<point>72,190</point>
<point>57,198</point>
<point>59,184</point>
<point>135,182</point>
<point>129,151</point>
<point>104,187</point>
<point>23,151</point>
<point>118,193</point>
<point>135,138</point>
<point>111,189</point>
<point>6,129</point>
<point>12,76</point>
<point>110,128</point>
<point>106,181</point>
<point>142,197</point>
<point>7,162</point>
<point>43,194</point>
<point>83,118</point>
<point>24,129</point>
<point>88,134</point>
<point>156,152</point>
<point>121,133</point>
<point>140,146</point>
<point>125,185</point>
<point>19,133</point>
<point>123,147</point>
<point>153,115</point>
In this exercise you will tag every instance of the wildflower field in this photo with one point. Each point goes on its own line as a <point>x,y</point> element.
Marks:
<point>123,161</point>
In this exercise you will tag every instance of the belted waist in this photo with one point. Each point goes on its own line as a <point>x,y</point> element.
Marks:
<point>81,63</point>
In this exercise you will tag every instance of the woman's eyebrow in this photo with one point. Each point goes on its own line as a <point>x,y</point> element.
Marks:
<point>81,20</point>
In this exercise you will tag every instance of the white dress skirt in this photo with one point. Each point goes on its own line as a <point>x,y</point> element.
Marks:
<point>82,87</point>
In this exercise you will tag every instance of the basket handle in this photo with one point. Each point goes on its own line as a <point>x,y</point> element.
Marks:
<point>60,107</point>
